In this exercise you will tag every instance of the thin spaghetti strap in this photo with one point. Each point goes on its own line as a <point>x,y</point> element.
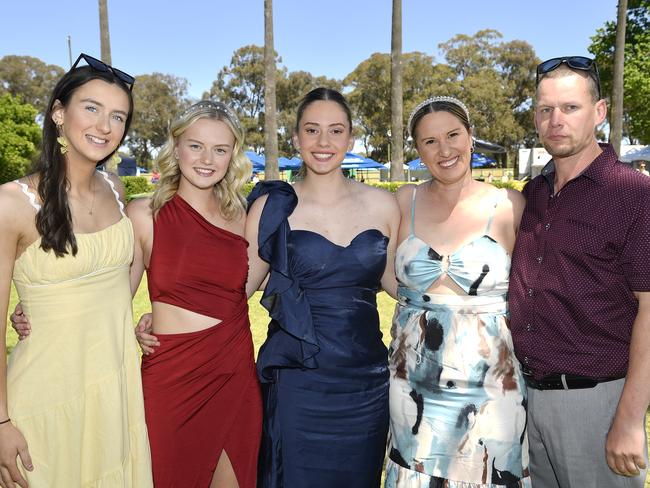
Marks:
<point>500,196</point>
<point>415,189</point>
<point>30,195</point>
<point>117,195</point>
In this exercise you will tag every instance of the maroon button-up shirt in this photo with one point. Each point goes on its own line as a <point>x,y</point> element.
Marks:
<point>578,258</point>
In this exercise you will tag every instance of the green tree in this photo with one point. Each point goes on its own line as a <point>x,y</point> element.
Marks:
<point>158,98</point>
<point>491,114</point>
<point>636,82</point>
<point>20,135</point>
<point>370,101</point>
<point>241,84</point>
<point>497,81</point>
<point>290,89</point>
<point>370,96</point>
<point>517,62</point>
<point>29,78</point>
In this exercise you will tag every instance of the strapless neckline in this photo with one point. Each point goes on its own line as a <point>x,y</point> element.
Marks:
<point>321,236</point>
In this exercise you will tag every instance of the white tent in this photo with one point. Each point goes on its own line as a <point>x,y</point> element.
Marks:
<point>635,153</point>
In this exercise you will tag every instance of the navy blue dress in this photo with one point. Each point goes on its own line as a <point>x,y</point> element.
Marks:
<point>323,366</point>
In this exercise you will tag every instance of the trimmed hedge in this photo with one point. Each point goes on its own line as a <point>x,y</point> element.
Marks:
<point>512,184</point>
<point>394,185</point>
<point>136,186</point>
<point>391,186</point>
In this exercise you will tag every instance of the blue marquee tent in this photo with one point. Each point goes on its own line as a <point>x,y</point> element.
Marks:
<point>284,164</point>
<point>355,161</point>
<point>257,160</point>
<point>478,161</point>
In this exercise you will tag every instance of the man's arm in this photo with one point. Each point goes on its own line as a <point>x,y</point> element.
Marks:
<point>625,444</point>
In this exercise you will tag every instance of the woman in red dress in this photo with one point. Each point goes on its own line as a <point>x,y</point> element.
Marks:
<point>202,399</point>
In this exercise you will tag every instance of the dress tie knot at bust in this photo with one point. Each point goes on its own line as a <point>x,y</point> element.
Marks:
<point>444,264</point>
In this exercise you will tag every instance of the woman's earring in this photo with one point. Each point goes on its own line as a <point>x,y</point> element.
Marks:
<point>115,159</point>
<point>63,142</point>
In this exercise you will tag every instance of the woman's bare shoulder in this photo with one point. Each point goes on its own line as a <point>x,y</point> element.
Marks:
<point>139,208</point>
<point>17,210</point>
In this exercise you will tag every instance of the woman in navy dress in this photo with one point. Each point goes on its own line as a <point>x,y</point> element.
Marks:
<point>327,244</point>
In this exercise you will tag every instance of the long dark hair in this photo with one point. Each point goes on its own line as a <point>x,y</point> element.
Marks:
<point>318,94</point>
<point>54,220</point>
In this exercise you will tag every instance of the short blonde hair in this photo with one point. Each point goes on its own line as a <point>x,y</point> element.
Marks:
<point>229,189</point>
<point>566,70</point>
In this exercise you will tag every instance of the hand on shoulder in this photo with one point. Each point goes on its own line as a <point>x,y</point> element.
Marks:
<point>139,208</point>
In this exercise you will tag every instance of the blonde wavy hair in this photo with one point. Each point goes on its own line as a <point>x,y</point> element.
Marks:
<point>229,189</point>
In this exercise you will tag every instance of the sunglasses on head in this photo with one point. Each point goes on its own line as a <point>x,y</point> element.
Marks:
<point>98,65</point>
<point>581,63</point>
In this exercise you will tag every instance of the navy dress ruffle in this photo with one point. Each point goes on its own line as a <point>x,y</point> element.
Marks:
<point>291,338</point>
<point>323,366</point>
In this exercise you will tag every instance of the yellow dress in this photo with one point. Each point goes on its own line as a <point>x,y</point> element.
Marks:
<point>73,386</point>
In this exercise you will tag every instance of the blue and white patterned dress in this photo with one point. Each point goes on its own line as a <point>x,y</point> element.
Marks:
<point>457,395</point>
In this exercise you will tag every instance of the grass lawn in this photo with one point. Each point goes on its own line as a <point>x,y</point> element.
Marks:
<point>258,318</point>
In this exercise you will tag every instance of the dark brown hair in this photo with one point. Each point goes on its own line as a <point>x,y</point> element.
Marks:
<point>438,106</point>
<point>54,220</point>
<point>321,94</point>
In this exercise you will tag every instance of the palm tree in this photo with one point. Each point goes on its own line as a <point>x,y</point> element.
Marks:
<point>104,36</point>
<point>616,117</point>
<point>270,119</point>
<point>396,101</point>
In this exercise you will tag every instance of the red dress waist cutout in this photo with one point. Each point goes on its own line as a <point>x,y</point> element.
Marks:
<point>196,265</point>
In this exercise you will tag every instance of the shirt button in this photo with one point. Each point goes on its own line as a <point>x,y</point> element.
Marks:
<point>529,327</point>
<point>526,359</point>
<point>547,226</point>
<point>530,292</point>
<point>539,259</point>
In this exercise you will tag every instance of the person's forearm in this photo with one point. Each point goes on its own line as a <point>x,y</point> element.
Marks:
<point>636,393</point>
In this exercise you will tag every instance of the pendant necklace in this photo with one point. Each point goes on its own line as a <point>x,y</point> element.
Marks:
<point>92,203</point>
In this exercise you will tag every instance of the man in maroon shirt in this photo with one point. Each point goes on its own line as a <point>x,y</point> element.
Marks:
<point>580,293</point>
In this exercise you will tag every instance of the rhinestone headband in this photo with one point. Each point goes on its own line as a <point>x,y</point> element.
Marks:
<point>431,100</point>
<point>216,106</point>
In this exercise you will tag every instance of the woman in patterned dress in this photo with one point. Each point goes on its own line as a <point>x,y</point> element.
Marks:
<point>457,396</point>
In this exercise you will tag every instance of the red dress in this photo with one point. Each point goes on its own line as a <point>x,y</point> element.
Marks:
<point>201,391</point>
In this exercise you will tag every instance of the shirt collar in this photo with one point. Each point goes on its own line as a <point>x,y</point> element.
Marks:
<point>597,170</point>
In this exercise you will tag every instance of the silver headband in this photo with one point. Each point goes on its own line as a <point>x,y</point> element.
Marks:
<point>431,100</point>
<point>206,105</point>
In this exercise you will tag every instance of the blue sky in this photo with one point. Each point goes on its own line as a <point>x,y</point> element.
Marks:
<point>196,38</point>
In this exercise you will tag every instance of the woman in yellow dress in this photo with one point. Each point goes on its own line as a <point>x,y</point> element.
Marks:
<point>71,404</point>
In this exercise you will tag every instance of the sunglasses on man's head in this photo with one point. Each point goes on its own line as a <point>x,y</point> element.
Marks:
<point>581,63</point>
<point>98,65</point>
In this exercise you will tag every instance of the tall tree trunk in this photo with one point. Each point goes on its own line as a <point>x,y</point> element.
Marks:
<point>616,118</point>
<point>104,36</point>
<point>396,99</point>
<point>270,113</point>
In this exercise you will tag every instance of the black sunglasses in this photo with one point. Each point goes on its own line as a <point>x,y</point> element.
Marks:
<point>581,63</point>
<point>98,65</point>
